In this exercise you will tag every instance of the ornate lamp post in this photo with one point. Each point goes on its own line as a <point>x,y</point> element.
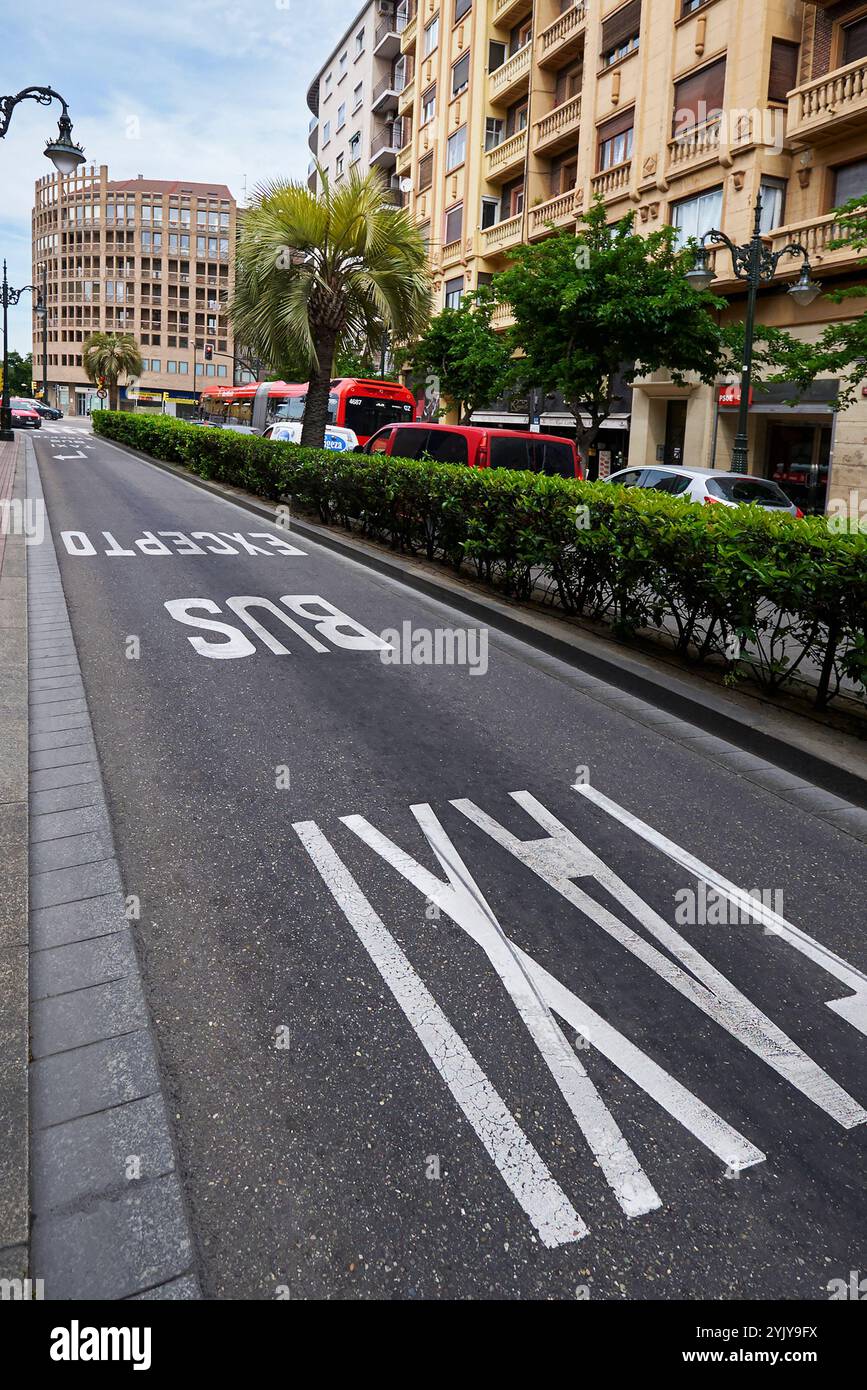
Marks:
<point>63,152</point>
<point>755,264</point>
<point>9,296</point>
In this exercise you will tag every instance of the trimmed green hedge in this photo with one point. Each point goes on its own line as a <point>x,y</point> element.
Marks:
<point>776,598</point>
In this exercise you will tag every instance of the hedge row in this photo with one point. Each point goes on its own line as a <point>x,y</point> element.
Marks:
<point>775,598</point>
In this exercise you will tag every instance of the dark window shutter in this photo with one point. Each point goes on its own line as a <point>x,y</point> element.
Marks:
<point>425,172</point>
<point>855,41</point>
<point>619,27</point>
<point>616,126</point>
<point>784,69</point>
<point>701,94</point>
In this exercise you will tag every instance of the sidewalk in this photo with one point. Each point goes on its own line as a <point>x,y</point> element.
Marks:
<point>14,1128</point>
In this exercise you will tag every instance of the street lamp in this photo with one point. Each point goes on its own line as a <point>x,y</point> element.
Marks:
<point>63,152</point>
<point>9,296</point>
<point>755,264</point>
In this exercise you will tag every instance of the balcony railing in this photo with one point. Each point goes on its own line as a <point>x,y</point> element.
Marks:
<point>560,125</point>
<point>502,235</point>
<point>830,105</point>
<point>502,317</point>
<point>511,10</point>
<point>385,94</point>
<point>410,29</point>
<point>697,144</point>
<point>386,42</point>
<point>559,210</point>
<point>564,34</point>
<point>612,183</point>
<point>514,73</point>
<point>452,251</point>
<point>816,236</point>
<point>506,156</point>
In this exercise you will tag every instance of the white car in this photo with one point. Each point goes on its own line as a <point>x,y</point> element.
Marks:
<point>336,436</point>
<point>708,485</point>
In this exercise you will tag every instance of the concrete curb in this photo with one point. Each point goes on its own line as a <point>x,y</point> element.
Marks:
<point>833,761</point>
<point>14,906</point>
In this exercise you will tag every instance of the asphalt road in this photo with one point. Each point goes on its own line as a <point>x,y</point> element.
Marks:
<point>411,1066</point>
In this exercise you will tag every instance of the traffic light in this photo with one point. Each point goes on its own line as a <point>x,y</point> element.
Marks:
<point>209,351</point>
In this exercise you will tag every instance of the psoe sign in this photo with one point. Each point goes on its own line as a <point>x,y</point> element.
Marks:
<point>731,395</point>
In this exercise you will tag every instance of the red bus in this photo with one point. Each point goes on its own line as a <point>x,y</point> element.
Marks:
<point>357,404</point>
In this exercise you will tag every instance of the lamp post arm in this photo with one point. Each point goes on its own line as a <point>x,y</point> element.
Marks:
<point>43,95</point>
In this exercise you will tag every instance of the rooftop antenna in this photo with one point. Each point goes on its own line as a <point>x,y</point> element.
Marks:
<point>245,191</point>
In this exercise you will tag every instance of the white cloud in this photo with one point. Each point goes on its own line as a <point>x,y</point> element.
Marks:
<point>204,90</point>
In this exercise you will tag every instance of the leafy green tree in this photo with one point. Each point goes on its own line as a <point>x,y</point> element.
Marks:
<point>111,355</point>
<point>461,351</point>
<point>20,374</point>
<point>606,302</point>
<point>319,274</point>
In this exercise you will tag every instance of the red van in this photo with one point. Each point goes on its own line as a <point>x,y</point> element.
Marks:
<point>478,447</point>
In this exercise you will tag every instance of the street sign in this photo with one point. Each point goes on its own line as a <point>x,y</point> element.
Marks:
<point>731,395</point>
<point>102,393</point>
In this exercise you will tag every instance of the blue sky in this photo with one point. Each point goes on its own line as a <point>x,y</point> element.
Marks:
<point>193,89</point>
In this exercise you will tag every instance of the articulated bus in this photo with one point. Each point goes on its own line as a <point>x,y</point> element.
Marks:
<point>362,406</point>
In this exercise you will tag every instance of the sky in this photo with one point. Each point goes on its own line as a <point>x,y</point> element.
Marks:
<point>201,90</point>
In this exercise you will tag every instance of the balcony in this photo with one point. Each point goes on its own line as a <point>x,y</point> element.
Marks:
<point>497,239</point>
<point>816,236</point>
<point>507,158</point>
<point>502,317</point>
<point>386,40</point>
<point>563,39</point>
<point>694,147</point>
<point>512,77</point>
<point>385,95</point>
<point>452,252</point>
<point>406,96</point>
<point>829,106</point>
<point>559,128</point>
<point>410,30</point>
<point>612,183</point>
<point>403,163</point>
<point>510,11</point>
<point>559,211</point>
<point>385,147</point>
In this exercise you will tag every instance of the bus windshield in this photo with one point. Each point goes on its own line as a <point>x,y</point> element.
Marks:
<point>367,414</point>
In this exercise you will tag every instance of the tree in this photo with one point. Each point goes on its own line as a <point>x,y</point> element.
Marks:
<point>316,275</point>
<point>467,359</point>
<point>20,374</point>
<point>604,303</point>
<point>111,355</point>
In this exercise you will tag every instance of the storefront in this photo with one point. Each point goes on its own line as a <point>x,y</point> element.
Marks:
<point>791,443</point>
<point>181,404</point>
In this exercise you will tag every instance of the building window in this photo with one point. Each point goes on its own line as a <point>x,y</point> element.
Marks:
<point>854,41</point>
<point>461,8</point>
<point>341,115</point>
<point>338,167</point>
<point>615,141</point>
<point>493,131</point>
<point>461,75</point>
<point>359,43</point>
<point>454,290</point>
<point>341,66</point>
<point>850,181</point>
<point>429,104</point>
<point>326,133</point>
<point>620,32</point>
<point>453,224</point>
<point>357,96</point>
<point>490,212</point>
<point>328,77</point>
<point>783,75</point>
<point>456,149</point>
<point>699,98</point>
<point>425,172</point>
<point>773,193</point>
<point>431,36</point>
<point>692,217</point>
<point>355,147</point>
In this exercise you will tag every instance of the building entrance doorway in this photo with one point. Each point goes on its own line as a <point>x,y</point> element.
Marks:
<point>798,458</point>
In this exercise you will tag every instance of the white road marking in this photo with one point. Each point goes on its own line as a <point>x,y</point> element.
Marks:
<point>462,899</point>
<point>853,1008</point>
<point>520,1166</point>
<point>561,856</point>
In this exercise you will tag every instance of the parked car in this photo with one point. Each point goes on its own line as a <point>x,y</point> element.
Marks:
<point>479,447</point>
<point>337,437</point>
<point>46,412</point>
<point>24,417</point>
<point>709,485</point>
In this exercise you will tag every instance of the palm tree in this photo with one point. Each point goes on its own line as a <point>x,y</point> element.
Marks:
<point>317,275</point>
<point>111,355</point>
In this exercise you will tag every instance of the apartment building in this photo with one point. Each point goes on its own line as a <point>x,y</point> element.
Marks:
<point>354,99</point>
<point>150,257</point>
